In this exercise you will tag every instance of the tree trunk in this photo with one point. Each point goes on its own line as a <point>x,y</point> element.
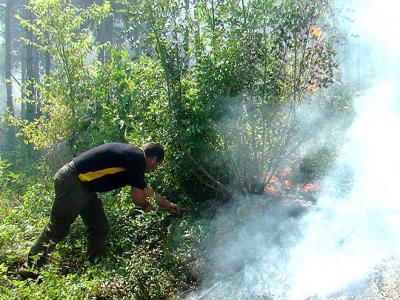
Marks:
<point>10,131</point>
<point>105,34</point>
<point>30,73</point>
<point>36,78</point>
<point>47,63</point>
<point>23,79</point>
<point>8,67</point>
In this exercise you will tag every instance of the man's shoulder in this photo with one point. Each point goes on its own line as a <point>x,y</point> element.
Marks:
<point>133,153</point>
<point>120,146</point>
<point>109,149</point>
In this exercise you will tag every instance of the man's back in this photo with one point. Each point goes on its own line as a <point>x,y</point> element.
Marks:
<point>111,166</point>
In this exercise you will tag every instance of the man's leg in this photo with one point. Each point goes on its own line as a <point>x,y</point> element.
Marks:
<point>63,214</point>
<point>70,199</point>
<point>37,256</point>
<point>95,219</point>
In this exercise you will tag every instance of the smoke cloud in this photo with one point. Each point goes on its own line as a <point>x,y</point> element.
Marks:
<point>350,230</point>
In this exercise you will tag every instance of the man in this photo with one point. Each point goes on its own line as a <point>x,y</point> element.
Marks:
<point>103,168</point>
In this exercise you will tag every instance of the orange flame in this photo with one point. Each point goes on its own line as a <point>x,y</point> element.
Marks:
<point>288,182</point>
<point>315,31</point>
<point>286,172</point>
<point>313,87</point>
<point>274,179</point>
<point>311,187</point>
<point>271,189</point>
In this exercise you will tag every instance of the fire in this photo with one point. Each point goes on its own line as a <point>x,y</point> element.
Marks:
<point>286,172</point>
<point>271,189</point>
<point>315,31</point>
<point>290,191</point>
<point>311,187</point>
<point>274,179</point>
<point>313,87</point>
<point>288,182</point>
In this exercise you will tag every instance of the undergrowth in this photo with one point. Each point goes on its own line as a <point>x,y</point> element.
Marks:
<point>149,255</point>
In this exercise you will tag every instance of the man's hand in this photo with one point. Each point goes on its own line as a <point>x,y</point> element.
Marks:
<point>175,209</point>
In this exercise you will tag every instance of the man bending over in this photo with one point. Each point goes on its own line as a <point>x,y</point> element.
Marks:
<point>104,168</point>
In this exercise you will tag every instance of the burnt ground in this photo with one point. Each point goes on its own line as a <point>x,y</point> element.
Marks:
<point>272,219</point>
<point>382,283</point>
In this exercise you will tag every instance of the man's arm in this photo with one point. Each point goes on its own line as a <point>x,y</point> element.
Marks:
<point>140,197</point>
<point>162,201</point>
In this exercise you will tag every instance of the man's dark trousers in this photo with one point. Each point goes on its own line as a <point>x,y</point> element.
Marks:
<point>72,198</point>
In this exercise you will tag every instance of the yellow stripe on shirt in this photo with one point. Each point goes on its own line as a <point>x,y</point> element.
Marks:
<point>100,173</point>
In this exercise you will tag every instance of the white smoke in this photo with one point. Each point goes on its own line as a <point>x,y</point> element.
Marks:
<point>347,233</point>
<point>347,236</point>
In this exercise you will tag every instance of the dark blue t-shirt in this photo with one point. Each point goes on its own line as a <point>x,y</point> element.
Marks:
<point>111,166</point>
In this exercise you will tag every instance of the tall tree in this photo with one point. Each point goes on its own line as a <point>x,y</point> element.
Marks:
<point>105,33</point>
<point>66,33</point>
<point>31,71</point>
<point>8,67</point>
<point>47,63</point>
<point>10,136</point>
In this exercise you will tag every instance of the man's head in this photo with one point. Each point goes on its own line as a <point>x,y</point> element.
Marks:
<point>154,155</point>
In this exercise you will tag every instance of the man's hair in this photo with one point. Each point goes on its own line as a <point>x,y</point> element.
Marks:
<point>153,149</point>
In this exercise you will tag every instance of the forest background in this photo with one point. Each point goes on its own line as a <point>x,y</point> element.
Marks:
<point>238,92</point>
